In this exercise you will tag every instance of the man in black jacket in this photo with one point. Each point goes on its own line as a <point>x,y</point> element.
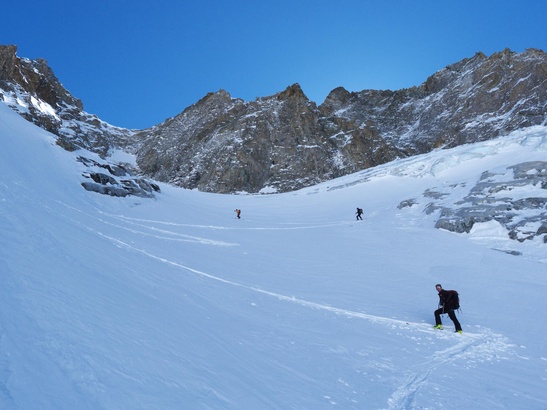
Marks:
<point>447,304</point>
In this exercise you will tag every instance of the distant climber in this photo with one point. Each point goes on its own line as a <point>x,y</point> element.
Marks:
<point>359,213</point>
<point>238,213</point>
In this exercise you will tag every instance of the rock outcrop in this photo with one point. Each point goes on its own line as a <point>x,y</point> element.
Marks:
<point>514,197</point>
<point>115,180</point>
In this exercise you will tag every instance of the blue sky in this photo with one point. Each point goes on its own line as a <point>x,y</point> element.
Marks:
<point>136,63</point>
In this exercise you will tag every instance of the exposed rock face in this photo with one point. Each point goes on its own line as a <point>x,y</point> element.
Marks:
<point>285,142</point>
<point>474,100</point>
<point>222,144</point>
<point>31,88</point>
<point>119,181</point>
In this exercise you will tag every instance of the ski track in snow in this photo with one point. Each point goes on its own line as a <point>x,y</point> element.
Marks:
<point>473,348</point>
<point>217,227</point>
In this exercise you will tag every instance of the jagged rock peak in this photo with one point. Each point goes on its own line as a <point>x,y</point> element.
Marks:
<point>293,91</point>
<point>31,88</point>
<point>221,96</point>
<point>467,63</point>
<point>34,76</point>
<point>337,98</point>
<point>500,61</point>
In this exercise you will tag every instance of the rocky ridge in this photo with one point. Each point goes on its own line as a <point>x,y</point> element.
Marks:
<point>30,88</point>
<point>285,142</point>
<point>277,143</point>
<point>474,100</point>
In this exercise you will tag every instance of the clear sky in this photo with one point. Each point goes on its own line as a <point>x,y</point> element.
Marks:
<point>135,63</point>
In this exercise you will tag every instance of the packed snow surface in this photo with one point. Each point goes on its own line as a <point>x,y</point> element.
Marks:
<point>174,303</point>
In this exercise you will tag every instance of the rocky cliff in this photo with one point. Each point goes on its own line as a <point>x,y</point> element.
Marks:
<point>474,100</point>
<point>276,143</point>
<point>31,89</point>
<point>285,141</point>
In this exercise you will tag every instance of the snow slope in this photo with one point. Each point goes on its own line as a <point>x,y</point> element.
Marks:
<point>130,303</point>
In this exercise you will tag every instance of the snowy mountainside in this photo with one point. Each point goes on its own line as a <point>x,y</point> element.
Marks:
<point>30,88</point>
<point>172,302</point>
<point>509,198</point>
<point>473,100</point>
<point>285,142</point>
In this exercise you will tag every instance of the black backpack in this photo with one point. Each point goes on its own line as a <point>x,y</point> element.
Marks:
<point>455,299</point>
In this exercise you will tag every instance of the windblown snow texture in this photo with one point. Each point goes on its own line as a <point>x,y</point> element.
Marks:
<point>172,302</point>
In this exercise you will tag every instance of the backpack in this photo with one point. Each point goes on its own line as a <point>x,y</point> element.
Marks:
<point>455,299</point>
